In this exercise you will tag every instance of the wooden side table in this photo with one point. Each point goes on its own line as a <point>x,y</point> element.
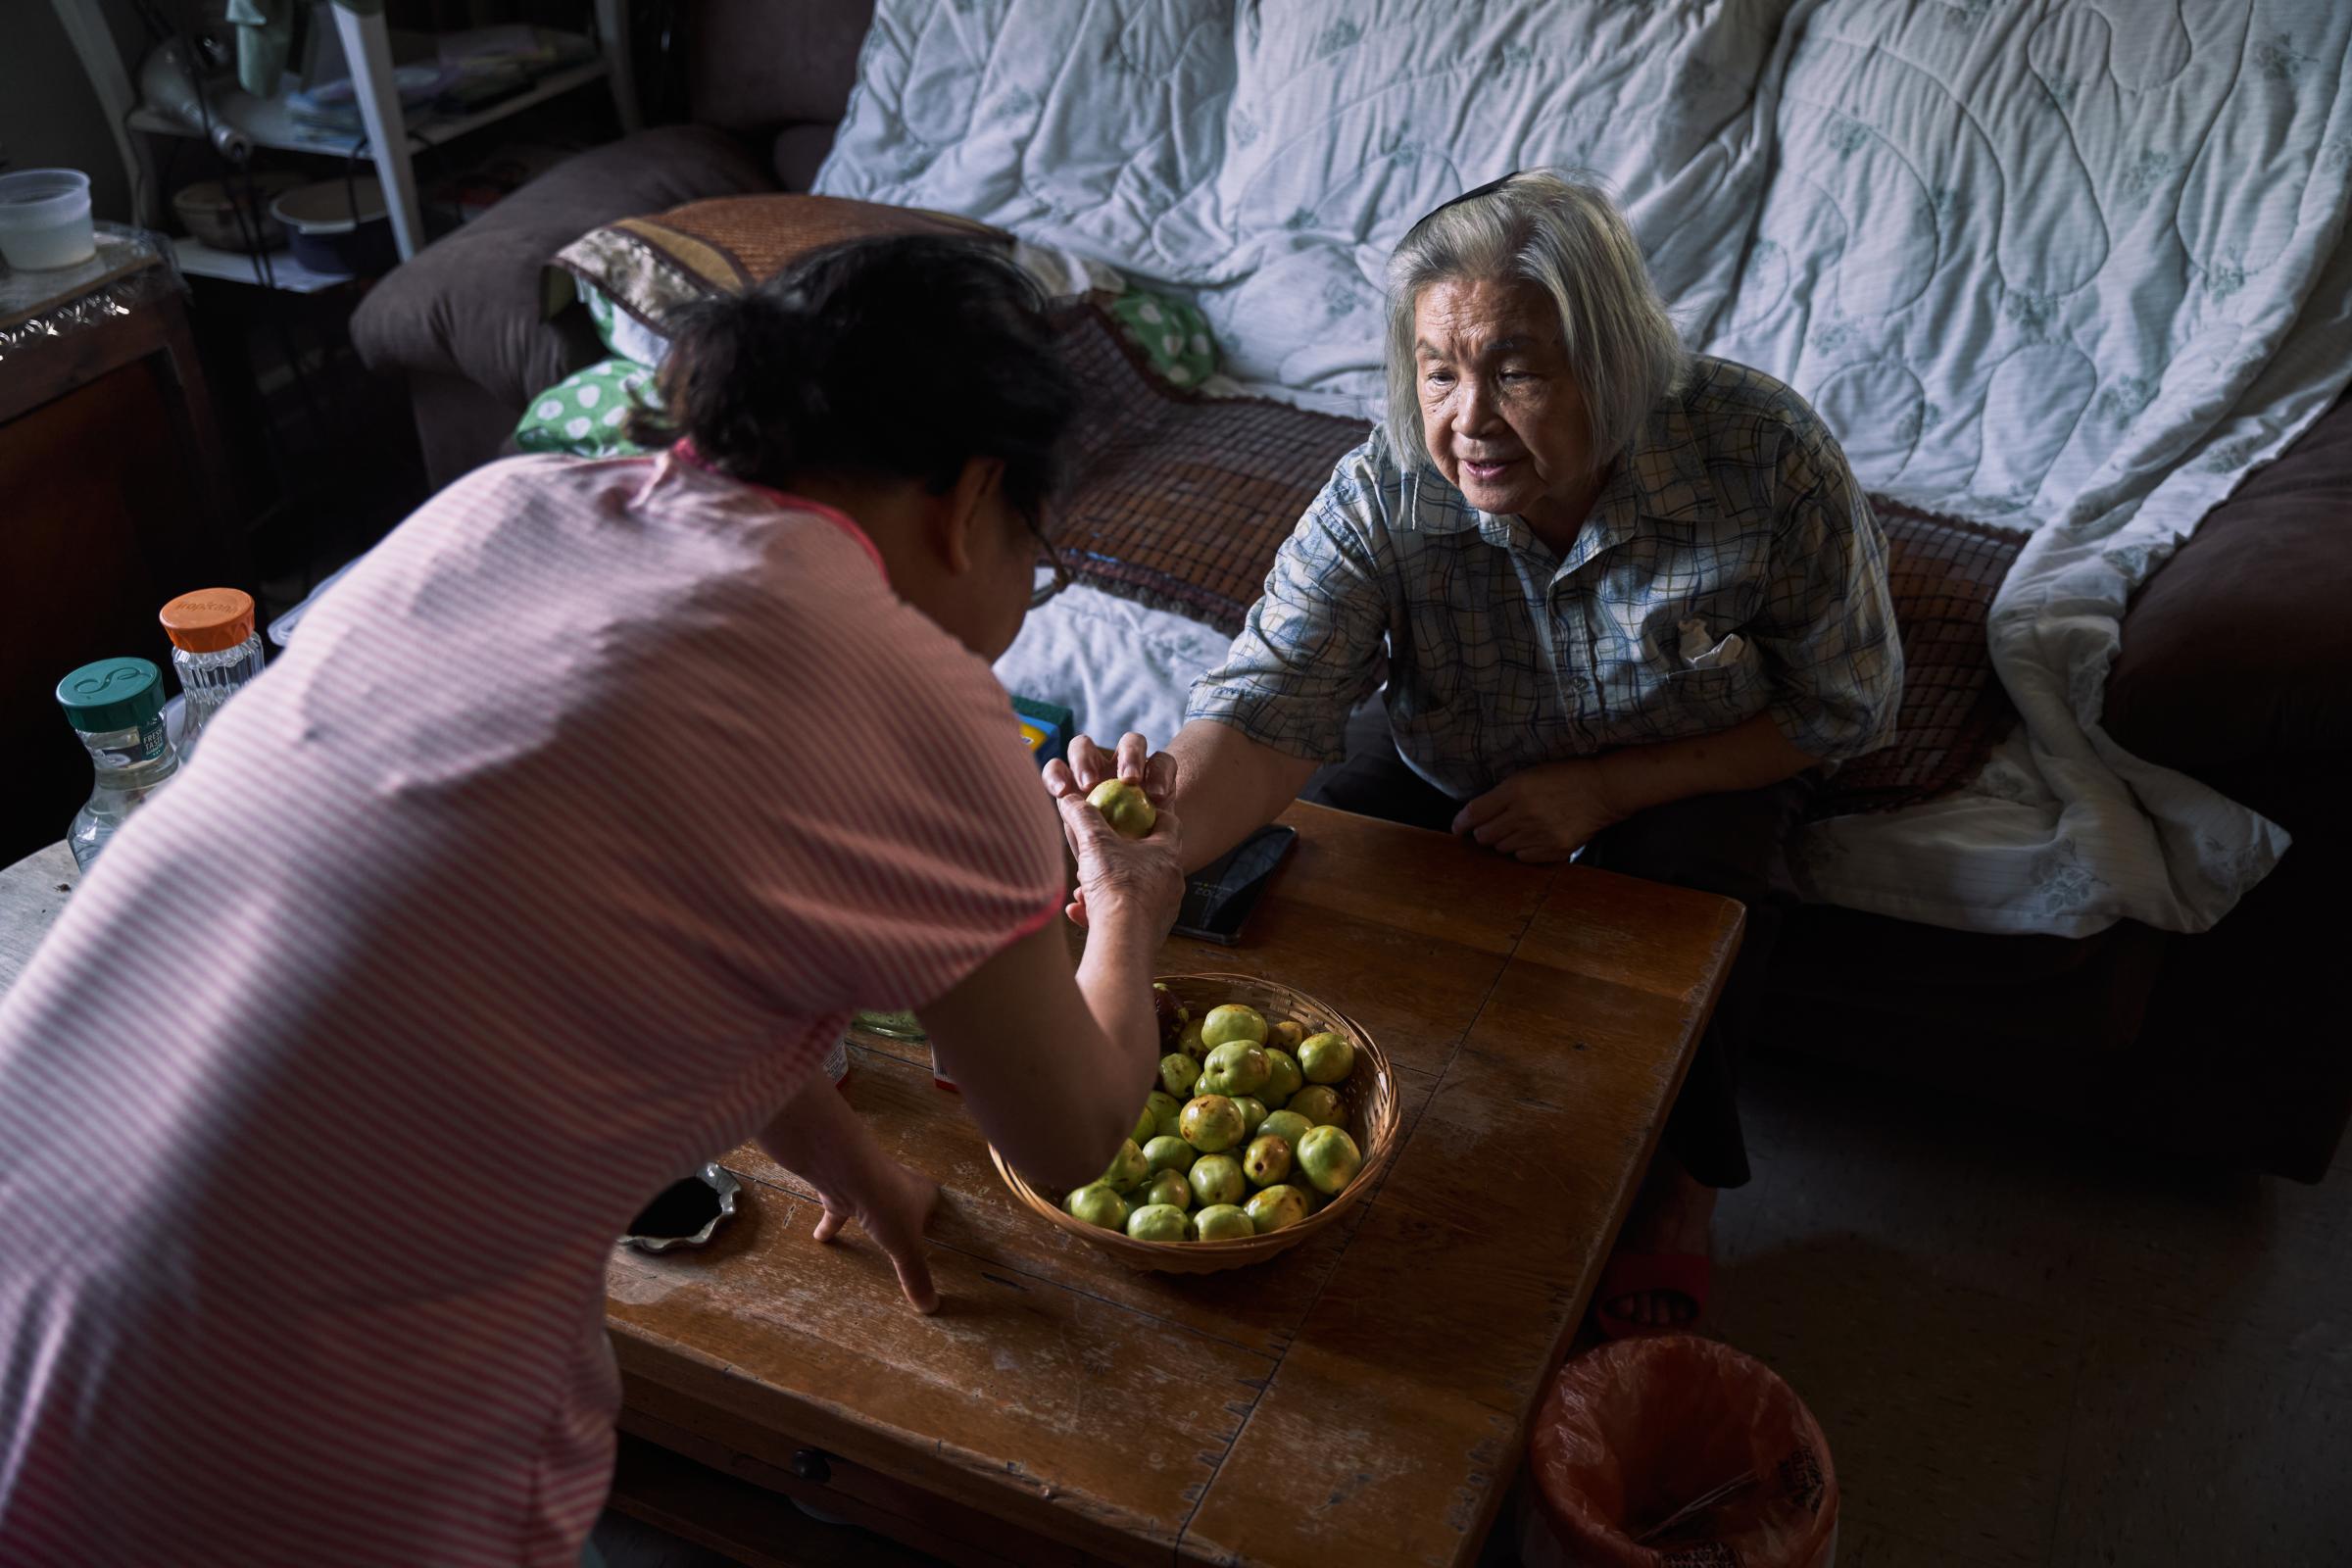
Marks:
<point>115,490</point>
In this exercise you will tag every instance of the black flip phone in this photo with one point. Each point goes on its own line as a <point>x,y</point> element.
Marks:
<point>1218,899</point>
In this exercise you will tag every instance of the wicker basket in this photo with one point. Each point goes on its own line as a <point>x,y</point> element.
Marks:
<point>1368,1097</point>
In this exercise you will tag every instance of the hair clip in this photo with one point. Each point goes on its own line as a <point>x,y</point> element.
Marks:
<point>1488,189</point>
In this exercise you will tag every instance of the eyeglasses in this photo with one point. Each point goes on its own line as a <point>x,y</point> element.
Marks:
<point>1052,557</point>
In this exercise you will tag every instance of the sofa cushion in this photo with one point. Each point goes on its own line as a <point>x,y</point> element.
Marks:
<point>471,306</point>
<point>1943,572</point>
<point>651,266</point>
<point>2237,648</point>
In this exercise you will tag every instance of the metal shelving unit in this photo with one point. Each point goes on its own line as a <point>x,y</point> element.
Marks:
<point>391,137</point>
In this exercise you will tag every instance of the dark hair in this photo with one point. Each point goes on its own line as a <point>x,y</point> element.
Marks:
<point>897,359</point>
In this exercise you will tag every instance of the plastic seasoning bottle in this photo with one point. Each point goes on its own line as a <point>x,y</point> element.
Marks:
<point>215,651</point>
<point>901,1025</point>
<point>116,707</point>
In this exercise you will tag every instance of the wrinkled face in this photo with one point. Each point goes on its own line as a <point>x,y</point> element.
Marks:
<point>1503,418</point>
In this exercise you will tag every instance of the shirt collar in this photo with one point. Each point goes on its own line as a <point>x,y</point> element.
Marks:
<point>683,452</point>
<point>1660,476</point>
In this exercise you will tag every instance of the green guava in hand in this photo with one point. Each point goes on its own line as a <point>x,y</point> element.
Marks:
<point>1124,806</point>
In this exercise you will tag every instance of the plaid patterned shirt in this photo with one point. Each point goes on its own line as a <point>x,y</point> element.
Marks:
<point>1729,567</point>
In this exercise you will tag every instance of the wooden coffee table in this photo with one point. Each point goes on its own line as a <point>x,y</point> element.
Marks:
<point>1364,1399</point>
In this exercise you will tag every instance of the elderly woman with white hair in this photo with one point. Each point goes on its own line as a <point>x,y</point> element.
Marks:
<point>1628,602</point>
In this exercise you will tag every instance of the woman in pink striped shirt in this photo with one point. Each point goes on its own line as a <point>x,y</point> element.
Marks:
<point>544,866</point>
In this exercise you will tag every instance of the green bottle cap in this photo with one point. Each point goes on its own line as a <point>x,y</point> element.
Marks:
<point>112,694</point>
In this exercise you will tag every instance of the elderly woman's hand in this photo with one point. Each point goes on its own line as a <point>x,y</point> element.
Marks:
<point>1541,814</point>
<point>1138,878</point>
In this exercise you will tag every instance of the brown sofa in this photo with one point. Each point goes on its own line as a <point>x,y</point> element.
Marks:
<point>2235,669</point>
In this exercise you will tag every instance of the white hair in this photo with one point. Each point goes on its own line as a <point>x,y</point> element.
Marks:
<point>1567,238</point>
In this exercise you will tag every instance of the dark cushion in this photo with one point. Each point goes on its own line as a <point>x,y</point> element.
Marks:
<point>753,65</point>
<point>798,152</point>
<point>469,305</point>
<point>2241,646</point>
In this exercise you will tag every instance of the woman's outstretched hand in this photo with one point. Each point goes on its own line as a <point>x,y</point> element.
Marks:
<point>892,1204</point>
<point>820,1139</point>
<point>1089,764</point>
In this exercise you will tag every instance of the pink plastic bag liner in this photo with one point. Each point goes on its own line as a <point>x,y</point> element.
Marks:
<point>1677,1451</point>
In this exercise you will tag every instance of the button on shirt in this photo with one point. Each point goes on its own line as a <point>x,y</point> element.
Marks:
<point>1730,566</point>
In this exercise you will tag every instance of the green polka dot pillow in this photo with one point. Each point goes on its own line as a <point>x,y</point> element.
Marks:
<point>583,414</point>
<point>1173,335</point>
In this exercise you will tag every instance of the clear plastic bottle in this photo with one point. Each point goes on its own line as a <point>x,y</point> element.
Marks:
<point>116,707</point>
<point>215,652</point>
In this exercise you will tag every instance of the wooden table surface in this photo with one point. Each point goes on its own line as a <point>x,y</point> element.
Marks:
<point>1363,1399</point>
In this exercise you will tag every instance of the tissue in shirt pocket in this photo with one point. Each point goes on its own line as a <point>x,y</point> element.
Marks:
<point>1700,651</point>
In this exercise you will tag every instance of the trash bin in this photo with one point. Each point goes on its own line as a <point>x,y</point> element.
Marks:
<point>1677,1451</point>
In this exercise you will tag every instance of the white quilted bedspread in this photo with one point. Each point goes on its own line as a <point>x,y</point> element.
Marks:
<point>2069,266</point>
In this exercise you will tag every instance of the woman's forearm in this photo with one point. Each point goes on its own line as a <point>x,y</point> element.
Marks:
<point>1115,976</point>
<point>1228,785</point>
<point>1747,756</point>
<point>818,1137</point>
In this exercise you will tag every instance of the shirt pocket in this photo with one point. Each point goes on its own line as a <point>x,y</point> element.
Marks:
<point>1701,701</point>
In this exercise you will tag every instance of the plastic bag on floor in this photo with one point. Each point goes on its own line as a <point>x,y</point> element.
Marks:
<point>1677,1453</point>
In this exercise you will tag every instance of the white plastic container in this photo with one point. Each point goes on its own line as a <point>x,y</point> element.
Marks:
<point>45,219</point>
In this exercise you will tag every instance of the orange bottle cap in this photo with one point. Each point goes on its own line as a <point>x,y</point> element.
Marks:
<point>209,619</point>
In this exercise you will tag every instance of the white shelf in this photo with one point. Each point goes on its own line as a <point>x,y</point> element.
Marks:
<point>199,260</point>
<point>390,136</point>
<point>271,121</point>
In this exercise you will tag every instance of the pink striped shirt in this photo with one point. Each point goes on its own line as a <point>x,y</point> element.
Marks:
<point>541,868</point>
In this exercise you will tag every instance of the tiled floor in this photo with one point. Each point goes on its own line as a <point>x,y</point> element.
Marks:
<point>2024,1350</point>
<point>2029,1351</point>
